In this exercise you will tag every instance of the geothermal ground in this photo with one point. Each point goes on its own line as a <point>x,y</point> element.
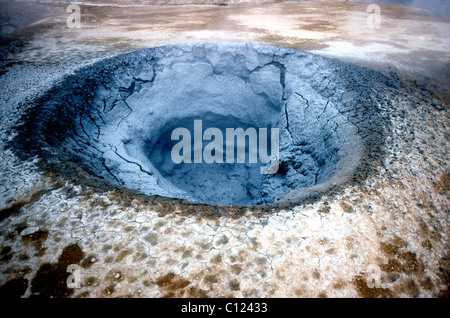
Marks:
<point>359,205</point>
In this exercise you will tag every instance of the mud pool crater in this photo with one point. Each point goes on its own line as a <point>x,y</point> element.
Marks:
<point>114,119</point>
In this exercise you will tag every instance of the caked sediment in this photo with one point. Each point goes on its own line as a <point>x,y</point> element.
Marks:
<point>113,119</point>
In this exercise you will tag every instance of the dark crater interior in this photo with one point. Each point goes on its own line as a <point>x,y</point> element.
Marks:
<point>114,120</point>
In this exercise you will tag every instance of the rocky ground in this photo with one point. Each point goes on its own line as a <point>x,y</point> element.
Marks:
<point>385,234</point>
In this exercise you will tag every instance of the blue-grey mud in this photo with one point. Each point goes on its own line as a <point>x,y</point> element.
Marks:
<point>114,120</point>
<point>60,207</point>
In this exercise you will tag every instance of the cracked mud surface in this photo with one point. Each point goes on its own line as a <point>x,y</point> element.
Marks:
<point>115,119</point>
<point>393,214</point>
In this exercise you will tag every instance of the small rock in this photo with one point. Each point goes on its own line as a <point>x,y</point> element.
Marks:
<point>117,276</point>
<point>29,230</point>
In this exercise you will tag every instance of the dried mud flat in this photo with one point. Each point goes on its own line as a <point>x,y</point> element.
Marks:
<point>393,215</point>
